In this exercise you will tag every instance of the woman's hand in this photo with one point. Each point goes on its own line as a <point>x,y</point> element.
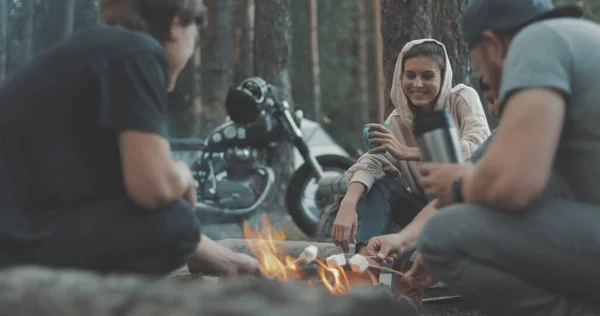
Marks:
<point>346,223</point>
<point>387,142</point>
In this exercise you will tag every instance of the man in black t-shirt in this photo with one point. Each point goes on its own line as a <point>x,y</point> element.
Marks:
<point>86,175</point>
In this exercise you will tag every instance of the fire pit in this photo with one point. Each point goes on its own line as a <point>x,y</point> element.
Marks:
<point>264,244</point>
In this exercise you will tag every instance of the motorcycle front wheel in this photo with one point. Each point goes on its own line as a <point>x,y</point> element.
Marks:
<point>301,200</point>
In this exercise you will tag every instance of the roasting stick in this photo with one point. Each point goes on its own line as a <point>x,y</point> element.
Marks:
<point>388,269</point>
<point>307,255</point>
<point>367,257</point>
<point>359,263</point>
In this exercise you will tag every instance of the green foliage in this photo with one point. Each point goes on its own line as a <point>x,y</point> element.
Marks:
<point>48,17</point>
<point>338,64</point>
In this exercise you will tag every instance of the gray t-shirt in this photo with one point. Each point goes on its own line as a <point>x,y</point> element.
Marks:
<point>564,54</point>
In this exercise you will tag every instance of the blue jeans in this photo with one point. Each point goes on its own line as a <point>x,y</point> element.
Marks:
<point>387,202</point>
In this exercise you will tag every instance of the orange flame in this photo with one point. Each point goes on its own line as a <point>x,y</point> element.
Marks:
<point>283,267</point>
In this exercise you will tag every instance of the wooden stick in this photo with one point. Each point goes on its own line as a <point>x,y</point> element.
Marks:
<point>388,269</point>
<point>366,257</point>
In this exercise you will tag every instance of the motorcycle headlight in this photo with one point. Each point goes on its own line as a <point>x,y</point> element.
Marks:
<point>243,102</point>
<point>255,87</point>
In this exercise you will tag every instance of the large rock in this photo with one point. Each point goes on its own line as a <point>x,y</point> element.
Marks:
<point>40,292</point>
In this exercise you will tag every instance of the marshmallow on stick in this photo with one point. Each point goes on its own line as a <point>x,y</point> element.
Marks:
<point>338,260</point>
<point>359,263</point>
<point>308,255</point>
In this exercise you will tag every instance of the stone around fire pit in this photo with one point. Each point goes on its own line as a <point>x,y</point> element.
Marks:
<point>289,247</point>
<point>32,291</point>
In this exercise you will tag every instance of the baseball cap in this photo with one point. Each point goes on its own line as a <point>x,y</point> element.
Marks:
<point>504,15</point>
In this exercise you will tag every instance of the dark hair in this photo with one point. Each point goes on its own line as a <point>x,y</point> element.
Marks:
<point>151,16</point>
<point>429,50</point>
<point>510,33</point>
<point>483,86</point>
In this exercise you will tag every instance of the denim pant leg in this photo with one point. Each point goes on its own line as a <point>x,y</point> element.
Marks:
<point>387,201</point>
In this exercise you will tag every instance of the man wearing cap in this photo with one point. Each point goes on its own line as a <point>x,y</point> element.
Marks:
<point>502,238</point>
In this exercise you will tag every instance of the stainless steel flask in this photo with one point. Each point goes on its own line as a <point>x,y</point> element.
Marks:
<point>438,137</point>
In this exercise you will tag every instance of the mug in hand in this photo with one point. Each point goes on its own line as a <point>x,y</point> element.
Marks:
<point>367,139</point>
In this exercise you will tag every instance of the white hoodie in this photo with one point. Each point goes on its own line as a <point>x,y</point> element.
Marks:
<point>464,106</point>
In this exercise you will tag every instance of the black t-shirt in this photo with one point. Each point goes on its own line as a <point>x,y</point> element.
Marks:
<point>60,117</point>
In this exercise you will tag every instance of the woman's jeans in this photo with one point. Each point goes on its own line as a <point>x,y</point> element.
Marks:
<point>388,202</point>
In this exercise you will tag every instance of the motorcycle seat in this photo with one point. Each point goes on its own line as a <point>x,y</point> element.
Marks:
<point>187,144</point>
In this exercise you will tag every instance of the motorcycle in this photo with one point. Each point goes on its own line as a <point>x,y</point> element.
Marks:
<point>231,182</point>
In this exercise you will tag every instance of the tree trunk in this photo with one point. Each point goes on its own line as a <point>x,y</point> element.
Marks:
<point>26,51</point>
<point>69,17</point>
<point>314,57</point>
<point>363,83</point>
<point>244,58</point>
<point>197,86</point>
<point>3,38</point>
<point>221,63</point>
<point>272,62</point>
<point>401,22</point>
<point>380,58</point>
<point>446,29</point>
<point>273,43</point>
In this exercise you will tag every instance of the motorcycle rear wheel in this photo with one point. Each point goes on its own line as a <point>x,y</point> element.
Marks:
<point>303,217</point>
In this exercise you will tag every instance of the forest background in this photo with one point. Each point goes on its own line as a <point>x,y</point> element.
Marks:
<point>333,58</point>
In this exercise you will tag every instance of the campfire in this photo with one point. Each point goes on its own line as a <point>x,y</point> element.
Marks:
<point>334,273</point>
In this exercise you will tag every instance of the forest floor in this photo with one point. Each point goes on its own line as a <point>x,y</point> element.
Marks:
<point>454,307</point>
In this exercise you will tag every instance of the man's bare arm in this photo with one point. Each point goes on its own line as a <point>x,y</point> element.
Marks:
<point>152,179</point>
<point>410,234</point>
<point>518,163</point>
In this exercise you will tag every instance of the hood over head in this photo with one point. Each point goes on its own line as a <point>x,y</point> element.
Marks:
<point>397,95</point>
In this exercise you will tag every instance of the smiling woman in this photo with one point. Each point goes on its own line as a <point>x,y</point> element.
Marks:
<point>424,69</point>
<point>384,184</point>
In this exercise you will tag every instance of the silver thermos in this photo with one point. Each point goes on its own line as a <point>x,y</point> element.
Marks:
<point>438,137</point>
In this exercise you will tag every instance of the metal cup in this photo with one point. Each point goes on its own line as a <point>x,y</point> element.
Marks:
<point>366,138</point>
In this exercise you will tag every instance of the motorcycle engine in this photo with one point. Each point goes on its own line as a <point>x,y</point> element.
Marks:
<point>240,163</point>
<point>236,190</point>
